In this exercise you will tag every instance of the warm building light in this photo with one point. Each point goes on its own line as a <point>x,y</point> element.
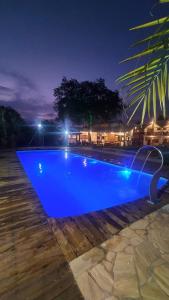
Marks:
<point>120,133</point>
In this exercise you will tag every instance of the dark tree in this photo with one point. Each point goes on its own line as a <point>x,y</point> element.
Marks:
<point>86,102</point>
<point>13,129</point>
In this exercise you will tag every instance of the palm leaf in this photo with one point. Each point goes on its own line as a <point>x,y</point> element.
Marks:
<point>152,37</point>
<point>159,91</point>
<point>153,23</point>
<point>130,92</point>
<point>142,78</point>
<point>154,100</point>
<point>148,51</point>
<point>144,110</point>
<point>150,65</point>
<point>164,1</point>
<point>136,108</point>
<point>142,83</point>
<point>136,99</point>
<point>148,101</point>
<point>168,87</point>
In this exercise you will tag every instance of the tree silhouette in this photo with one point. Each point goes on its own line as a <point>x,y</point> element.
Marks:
<point>86,102</point>
<point>13,129</point>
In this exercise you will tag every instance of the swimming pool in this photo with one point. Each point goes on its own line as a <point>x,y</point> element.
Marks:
<point>69,184</point>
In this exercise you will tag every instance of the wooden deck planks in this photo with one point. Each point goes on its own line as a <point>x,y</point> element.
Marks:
<point>32,265</point>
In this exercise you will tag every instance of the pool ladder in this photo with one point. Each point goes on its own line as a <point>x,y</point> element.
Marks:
<point>153,191</point>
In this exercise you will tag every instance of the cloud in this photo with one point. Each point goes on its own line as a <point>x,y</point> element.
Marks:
<point>20,79</point>
<point>6,93</point>
<point>4,89</point>
<point>23,95</point>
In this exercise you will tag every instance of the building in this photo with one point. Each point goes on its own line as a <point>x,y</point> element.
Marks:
<point>117,134</point>
<point>138,135</point>
<point>102,134</point>
<point>156,133</point>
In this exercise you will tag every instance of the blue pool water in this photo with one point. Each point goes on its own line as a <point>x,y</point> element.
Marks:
<point>69,184</point>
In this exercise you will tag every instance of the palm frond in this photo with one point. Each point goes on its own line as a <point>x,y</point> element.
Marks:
<point>148,84</point>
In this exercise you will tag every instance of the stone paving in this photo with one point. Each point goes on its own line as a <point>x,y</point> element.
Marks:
<point>133,264</point>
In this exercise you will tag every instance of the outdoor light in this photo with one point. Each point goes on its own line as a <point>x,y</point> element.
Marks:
<point>126,173</point>
<point>66,132</point>
<point>39,125</point>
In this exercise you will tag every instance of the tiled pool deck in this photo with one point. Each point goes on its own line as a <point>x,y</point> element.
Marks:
<point>35,251</point>
<point>133,264</point>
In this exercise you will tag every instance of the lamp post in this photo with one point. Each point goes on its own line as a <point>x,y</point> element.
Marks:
<point>40,130</point>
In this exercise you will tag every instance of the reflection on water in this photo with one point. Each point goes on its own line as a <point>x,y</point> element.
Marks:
<point>94,162</point>
<point>40,168</point>
<point>66,155</point>
<point>85,162</point>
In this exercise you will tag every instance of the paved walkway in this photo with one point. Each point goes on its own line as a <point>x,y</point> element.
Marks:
<point>133,264</point>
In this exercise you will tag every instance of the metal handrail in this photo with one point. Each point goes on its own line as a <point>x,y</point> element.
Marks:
<point>146,159</point>
<point>153,185</point>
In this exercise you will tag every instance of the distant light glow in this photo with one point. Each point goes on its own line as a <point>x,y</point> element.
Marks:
<point>39,125</point>
<point>120,133</point>
<point>66,132</point>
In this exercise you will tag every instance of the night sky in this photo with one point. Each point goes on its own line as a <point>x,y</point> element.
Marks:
<point>44,40</point>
